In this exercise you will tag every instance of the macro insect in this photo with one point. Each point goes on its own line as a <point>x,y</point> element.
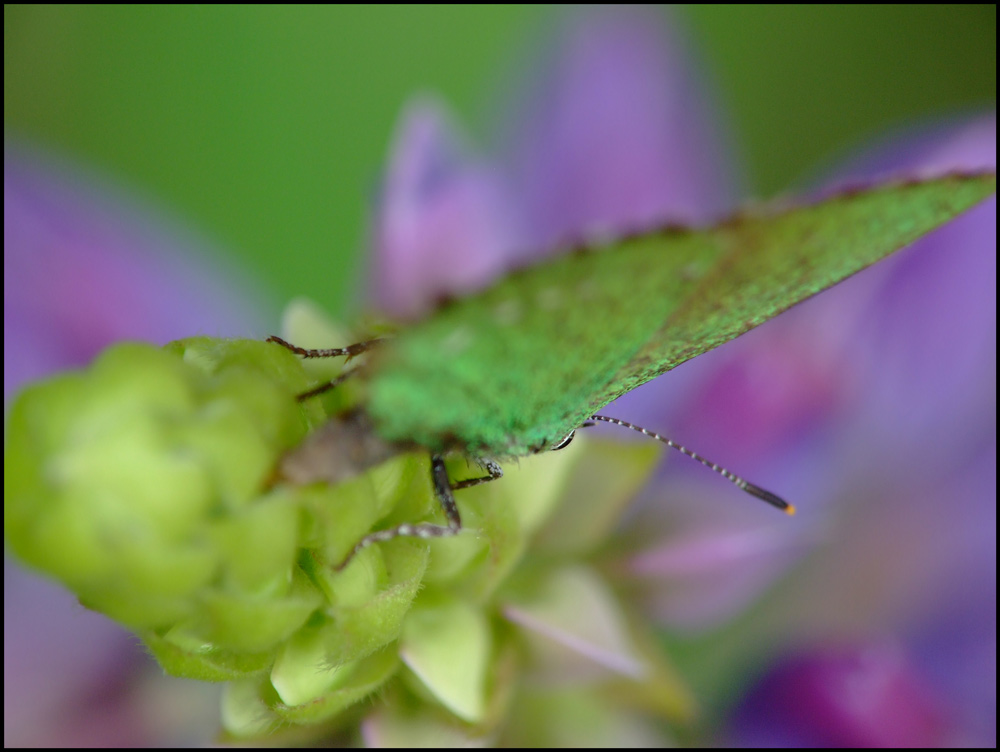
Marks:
<point>517,368</point>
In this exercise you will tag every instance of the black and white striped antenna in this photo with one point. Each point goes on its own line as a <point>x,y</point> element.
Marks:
<point>772,499</point>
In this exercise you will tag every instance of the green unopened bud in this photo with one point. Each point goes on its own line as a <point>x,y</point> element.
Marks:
<point>141,483</point>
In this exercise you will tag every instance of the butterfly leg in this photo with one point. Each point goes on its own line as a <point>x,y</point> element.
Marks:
<point>443,488</point>
<point>325,387</point>
<point>332,352</point>
<point>491,467</point>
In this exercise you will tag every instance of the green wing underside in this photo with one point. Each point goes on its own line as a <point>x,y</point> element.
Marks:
<point>772,264</point>
<point>513,369</point>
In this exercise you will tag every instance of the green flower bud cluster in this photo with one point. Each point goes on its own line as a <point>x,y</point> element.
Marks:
<point>142,484</point>
<point>152,485</point>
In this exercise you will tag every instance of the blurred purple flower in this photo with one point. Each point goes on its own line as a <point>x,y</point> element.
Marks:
<point>846,697</point>
<point>872,405</point>
<point>84,266</point>
<point>618,133</point>
<point>446,223</point>
<point>906,506</point>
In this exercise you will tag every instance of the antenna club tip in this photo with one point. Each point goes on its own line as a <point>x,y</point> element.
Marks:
<point>789,510</point>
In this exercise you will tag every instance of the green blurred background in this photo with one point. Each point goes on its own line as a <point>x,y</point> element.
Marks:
<point>266,126</point>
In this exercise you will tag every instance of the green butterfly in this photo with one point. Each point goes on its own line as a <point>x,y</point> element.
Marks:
<point>517,368</point>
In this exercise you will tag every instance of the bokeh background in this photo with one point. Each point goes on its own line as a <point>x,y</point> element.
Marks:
<point>266,129</point>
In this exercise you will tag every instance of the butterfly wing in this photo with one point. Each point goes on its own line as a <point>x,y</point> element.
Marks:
<point>770,263</point>
<point>514,368</point>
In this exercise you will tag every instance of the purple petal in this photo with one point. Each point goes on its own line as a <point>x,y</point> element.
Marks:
<point>443,225</point>
<point>958,652</point>
<point>901,551</point>
<point>962,144</point>
<point>74,678</point>
<point>924,343</point>
<point>842,697</point>
<point>85,265</point>
<point>57,654</point>
<point>618,131</point>
<point>707,559</point>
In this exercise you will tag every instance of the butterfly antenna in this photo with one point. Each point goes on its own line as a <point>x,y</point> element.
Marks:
<point>772,499</point>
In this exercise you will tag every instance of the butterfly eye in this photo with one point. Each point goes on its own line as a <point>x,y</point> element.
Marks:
<point>565,442</point>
